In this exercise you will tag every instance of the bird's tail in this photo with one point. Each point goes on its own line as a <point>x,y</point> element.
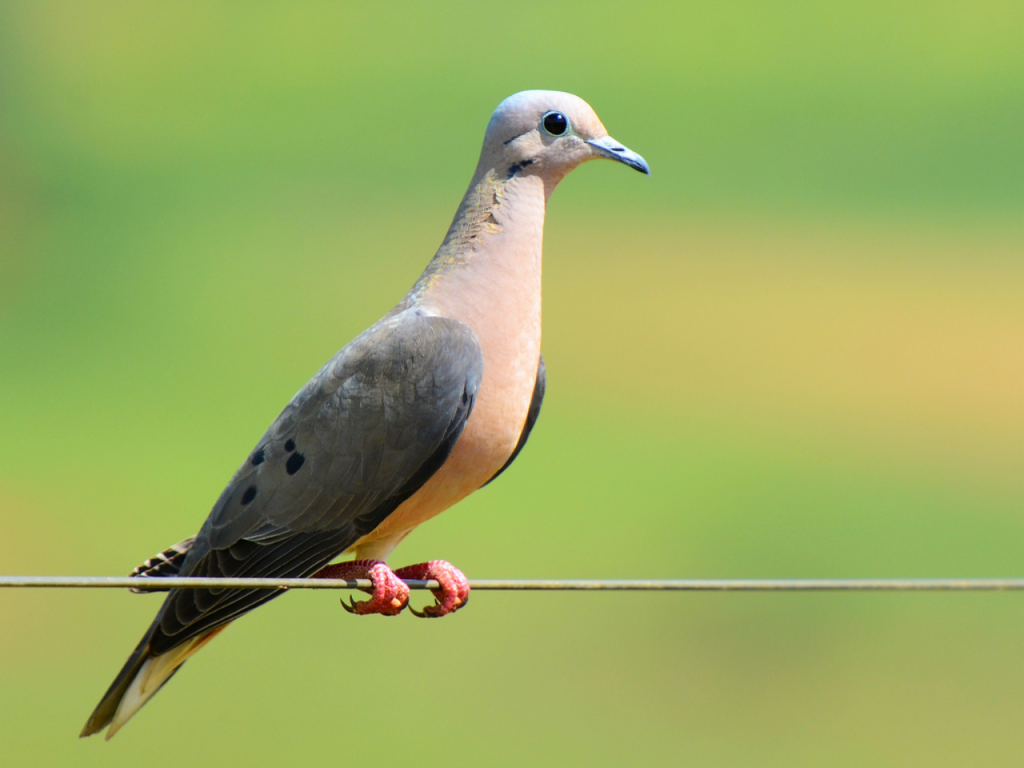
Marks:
<point>141,677</point>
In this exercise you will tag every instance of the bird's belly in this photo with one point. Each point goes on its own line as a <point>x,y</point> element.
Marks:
<point>487,441</point>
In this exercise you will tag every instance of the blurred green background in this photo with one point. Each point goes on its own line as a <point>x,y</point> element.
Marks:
<point>796,350</point>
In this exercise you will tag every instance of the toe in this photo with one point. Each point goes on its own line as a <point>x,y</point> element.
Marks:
<point>454,590</point>
<point>389,595</point>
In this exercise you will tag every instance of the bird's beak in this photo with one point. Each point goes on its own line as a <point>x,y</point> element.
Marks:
<point>609,147</point>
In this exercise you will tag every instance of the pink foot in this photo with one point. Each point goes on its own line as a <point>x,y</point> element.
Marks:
<point>389,595</point>
<point>454,591</point>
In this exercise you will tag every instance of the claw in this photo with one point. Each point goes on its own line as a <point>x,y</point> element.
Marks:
<point>389,594</point>
<point>453,593</point>
<point>418,614</point>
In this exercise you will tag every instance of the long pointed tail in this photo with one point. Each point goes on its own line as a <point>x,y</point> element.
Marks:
<point>139,680</point>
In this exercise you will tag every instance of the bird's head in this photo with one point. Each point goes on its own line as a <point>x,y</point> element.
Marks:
<point>548,133</point>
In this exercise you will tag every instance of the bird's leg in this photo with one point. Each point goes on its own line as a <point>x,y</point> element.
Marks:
<point>389,594</point>
<point>454,591</point>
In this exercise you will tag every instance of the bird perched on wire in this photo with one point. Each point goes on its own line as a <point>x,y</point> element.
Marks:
<point>432,402</point>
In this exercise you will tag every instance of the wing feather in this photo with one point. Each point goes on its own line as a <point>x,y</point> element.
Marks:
<point>359,439</point>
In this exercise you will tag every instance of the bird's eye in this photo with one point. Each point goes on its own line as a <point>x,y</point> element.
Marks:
<point>555,123</point>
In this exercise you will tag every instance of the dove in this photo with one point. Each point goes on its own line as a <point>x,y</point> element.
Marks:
<point>432,402</point>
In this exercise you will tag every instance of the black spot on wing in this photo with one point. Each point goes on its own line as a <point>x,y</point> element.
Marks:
<point>294,463</point>
<point>258,456</point>
<point>289,445</point>
<point>249,495</point>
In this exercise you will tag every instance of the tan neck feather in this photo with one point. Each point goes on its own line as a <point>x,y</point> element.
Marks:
<point>489,264</point>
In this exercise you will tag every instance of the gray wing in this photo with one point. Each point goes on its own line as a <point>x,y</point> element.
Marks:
<point>359,439</point>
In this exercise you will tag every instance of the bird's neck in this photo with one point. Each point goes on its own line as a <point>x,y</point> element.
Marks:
<point>489,265</point>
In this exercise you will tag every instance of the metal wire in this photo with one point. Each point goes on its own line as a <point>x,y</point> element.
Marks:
<point>620,585</point>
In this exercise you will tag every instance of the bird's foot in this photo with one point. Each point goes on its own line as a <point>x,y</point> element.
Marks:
<point>454,591</point>
<point>389,594</point>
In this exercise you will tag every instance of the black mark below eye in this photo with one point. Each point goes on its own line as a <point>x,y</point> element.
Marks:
<point>555,123</point>
<point>294,463</point>
<point>517,167</point>
<point>249,495</point>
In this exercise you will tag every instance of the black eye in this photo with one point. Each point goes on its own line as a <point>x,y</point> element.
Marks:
<point>555,123</point>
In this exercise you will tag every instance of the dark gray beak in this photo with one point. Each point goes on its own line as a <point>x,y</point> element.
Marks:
<point>609,147</point>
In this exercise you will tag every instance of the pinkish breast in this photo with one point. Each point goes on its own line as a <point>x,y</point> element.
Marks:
<point>497,293</point>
